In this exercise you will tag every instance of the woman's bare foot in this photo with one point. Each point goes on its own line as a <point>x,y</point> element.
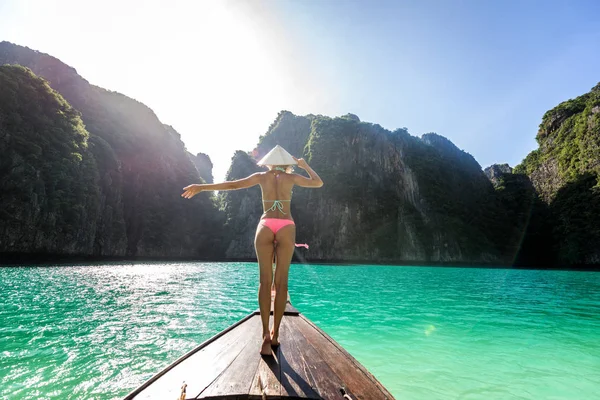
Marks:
<point>265,349</point>
<point>274,339</point>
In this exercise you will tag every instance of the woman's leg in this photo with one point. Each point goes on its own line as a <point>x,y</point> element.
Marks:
<point>263,243</point>
<point>285,237</point>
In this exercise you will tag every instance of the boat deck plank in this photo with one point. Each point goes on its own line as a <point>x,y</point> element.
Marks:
<point>308,364</point>
<point>296,376</point>
<point>237,377</point>
<point>357,380</point>
<point>267,382</point>
<point>326,383</point>
<point>199,370</point>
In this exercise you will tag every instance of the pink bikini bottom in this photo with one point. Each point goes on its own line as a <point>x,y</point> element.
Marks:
<point>275,224</point>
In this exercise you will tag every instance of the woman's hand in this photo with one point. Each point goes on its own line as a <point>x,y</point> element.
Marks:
<point>191,191</point>
<point>301,163</point>
<point>313,181</point>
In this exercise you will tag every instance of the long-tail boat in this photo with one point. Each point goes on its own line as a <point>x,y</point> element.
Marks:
<point>308,364</point>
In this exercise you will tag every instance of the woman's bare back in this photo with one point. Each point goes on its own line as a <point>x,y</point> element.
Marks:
<point>276,187</point>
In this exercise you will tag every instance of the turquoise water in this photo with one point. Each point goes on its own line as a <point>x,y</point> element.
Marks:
<point>98,331</point>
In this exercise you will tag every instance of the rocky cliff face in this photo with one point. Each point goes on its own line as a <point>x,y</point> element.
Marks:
<point>565,171</point>
<point>142,166</point>
<point>388,196</point>
<point>203,165</point>
<point>243,209</point>
<point>91,172</point>
<point>569,146</point>
<point>50,191</point>
<point>495,172</point>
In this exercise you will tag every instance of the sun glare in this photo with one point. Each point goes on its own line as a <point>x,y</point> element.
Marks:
<point>218,71</point>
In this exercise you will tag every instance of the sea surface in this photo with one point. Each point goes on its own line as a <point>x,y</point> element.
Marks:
<point>99,331</point>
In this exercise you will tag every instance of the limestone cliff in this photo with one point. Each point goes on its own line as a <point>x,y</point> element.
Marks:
<point>496,171</point>
<point>51,194</point>
<point>388,196</point>
<point>87,171</point>
<point>203,165</point>
<point>142,167</point>
<point>243,209</point>
<point>565,171</point>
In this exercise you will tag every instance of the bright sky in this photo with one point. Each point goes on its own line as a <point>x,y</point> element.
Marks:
<point>481,73</point>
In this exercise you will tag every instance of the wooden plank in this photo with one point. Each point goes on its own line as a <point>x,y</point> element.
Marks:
<point>225,357</point>
<point>296,378</point>
<point>267,381</point>
<point>157,380</point>
<point>200,368</point>
<point>357,364</point>
<point>326,382</point>
<point>308,364</point>
<point>237,378</point>
<point>358,382</point>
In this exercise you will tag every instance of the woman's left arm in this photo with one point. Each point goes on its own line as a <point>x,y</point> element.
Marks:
<point>249,181</point>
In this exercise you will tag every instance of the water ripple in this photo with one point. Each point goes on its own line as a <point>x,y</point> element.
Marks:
<point>98,331</point>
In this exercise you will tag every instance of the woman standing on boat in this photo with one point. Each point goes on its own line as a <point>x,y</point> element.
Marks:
<point>276,231</point>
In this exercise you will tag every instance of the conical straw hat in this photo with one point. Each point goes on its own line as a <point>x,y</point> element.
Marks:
<point>277,156</point>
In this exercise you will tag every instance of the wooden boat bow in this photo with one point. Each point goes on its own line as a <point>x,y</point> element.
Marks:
<point>308,364</point>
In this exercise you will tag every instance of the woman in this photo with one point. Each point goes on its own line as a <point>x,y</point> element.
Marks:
<point>276,231</point>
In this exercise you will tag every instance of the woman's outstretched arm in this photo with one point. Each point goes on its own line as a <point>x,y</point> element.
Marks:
<point>314,180</point>
<point>192,190</point>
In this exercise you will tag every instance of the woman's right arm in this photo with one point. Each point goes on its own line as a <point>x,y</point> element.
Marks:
<point>314,181</point>
<point>192,190</point>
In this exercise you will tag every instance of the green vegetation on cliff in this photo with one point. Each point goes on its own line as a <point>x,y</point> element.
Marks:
<point>576,216</point>
<point>242,208</point>
<point>92,172</point>
<point>139,165</point>
<point>565,172</point>
<point>292,129</point>
<point>388,196</point>
<point>49,188</point>
<point>569,138</point>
